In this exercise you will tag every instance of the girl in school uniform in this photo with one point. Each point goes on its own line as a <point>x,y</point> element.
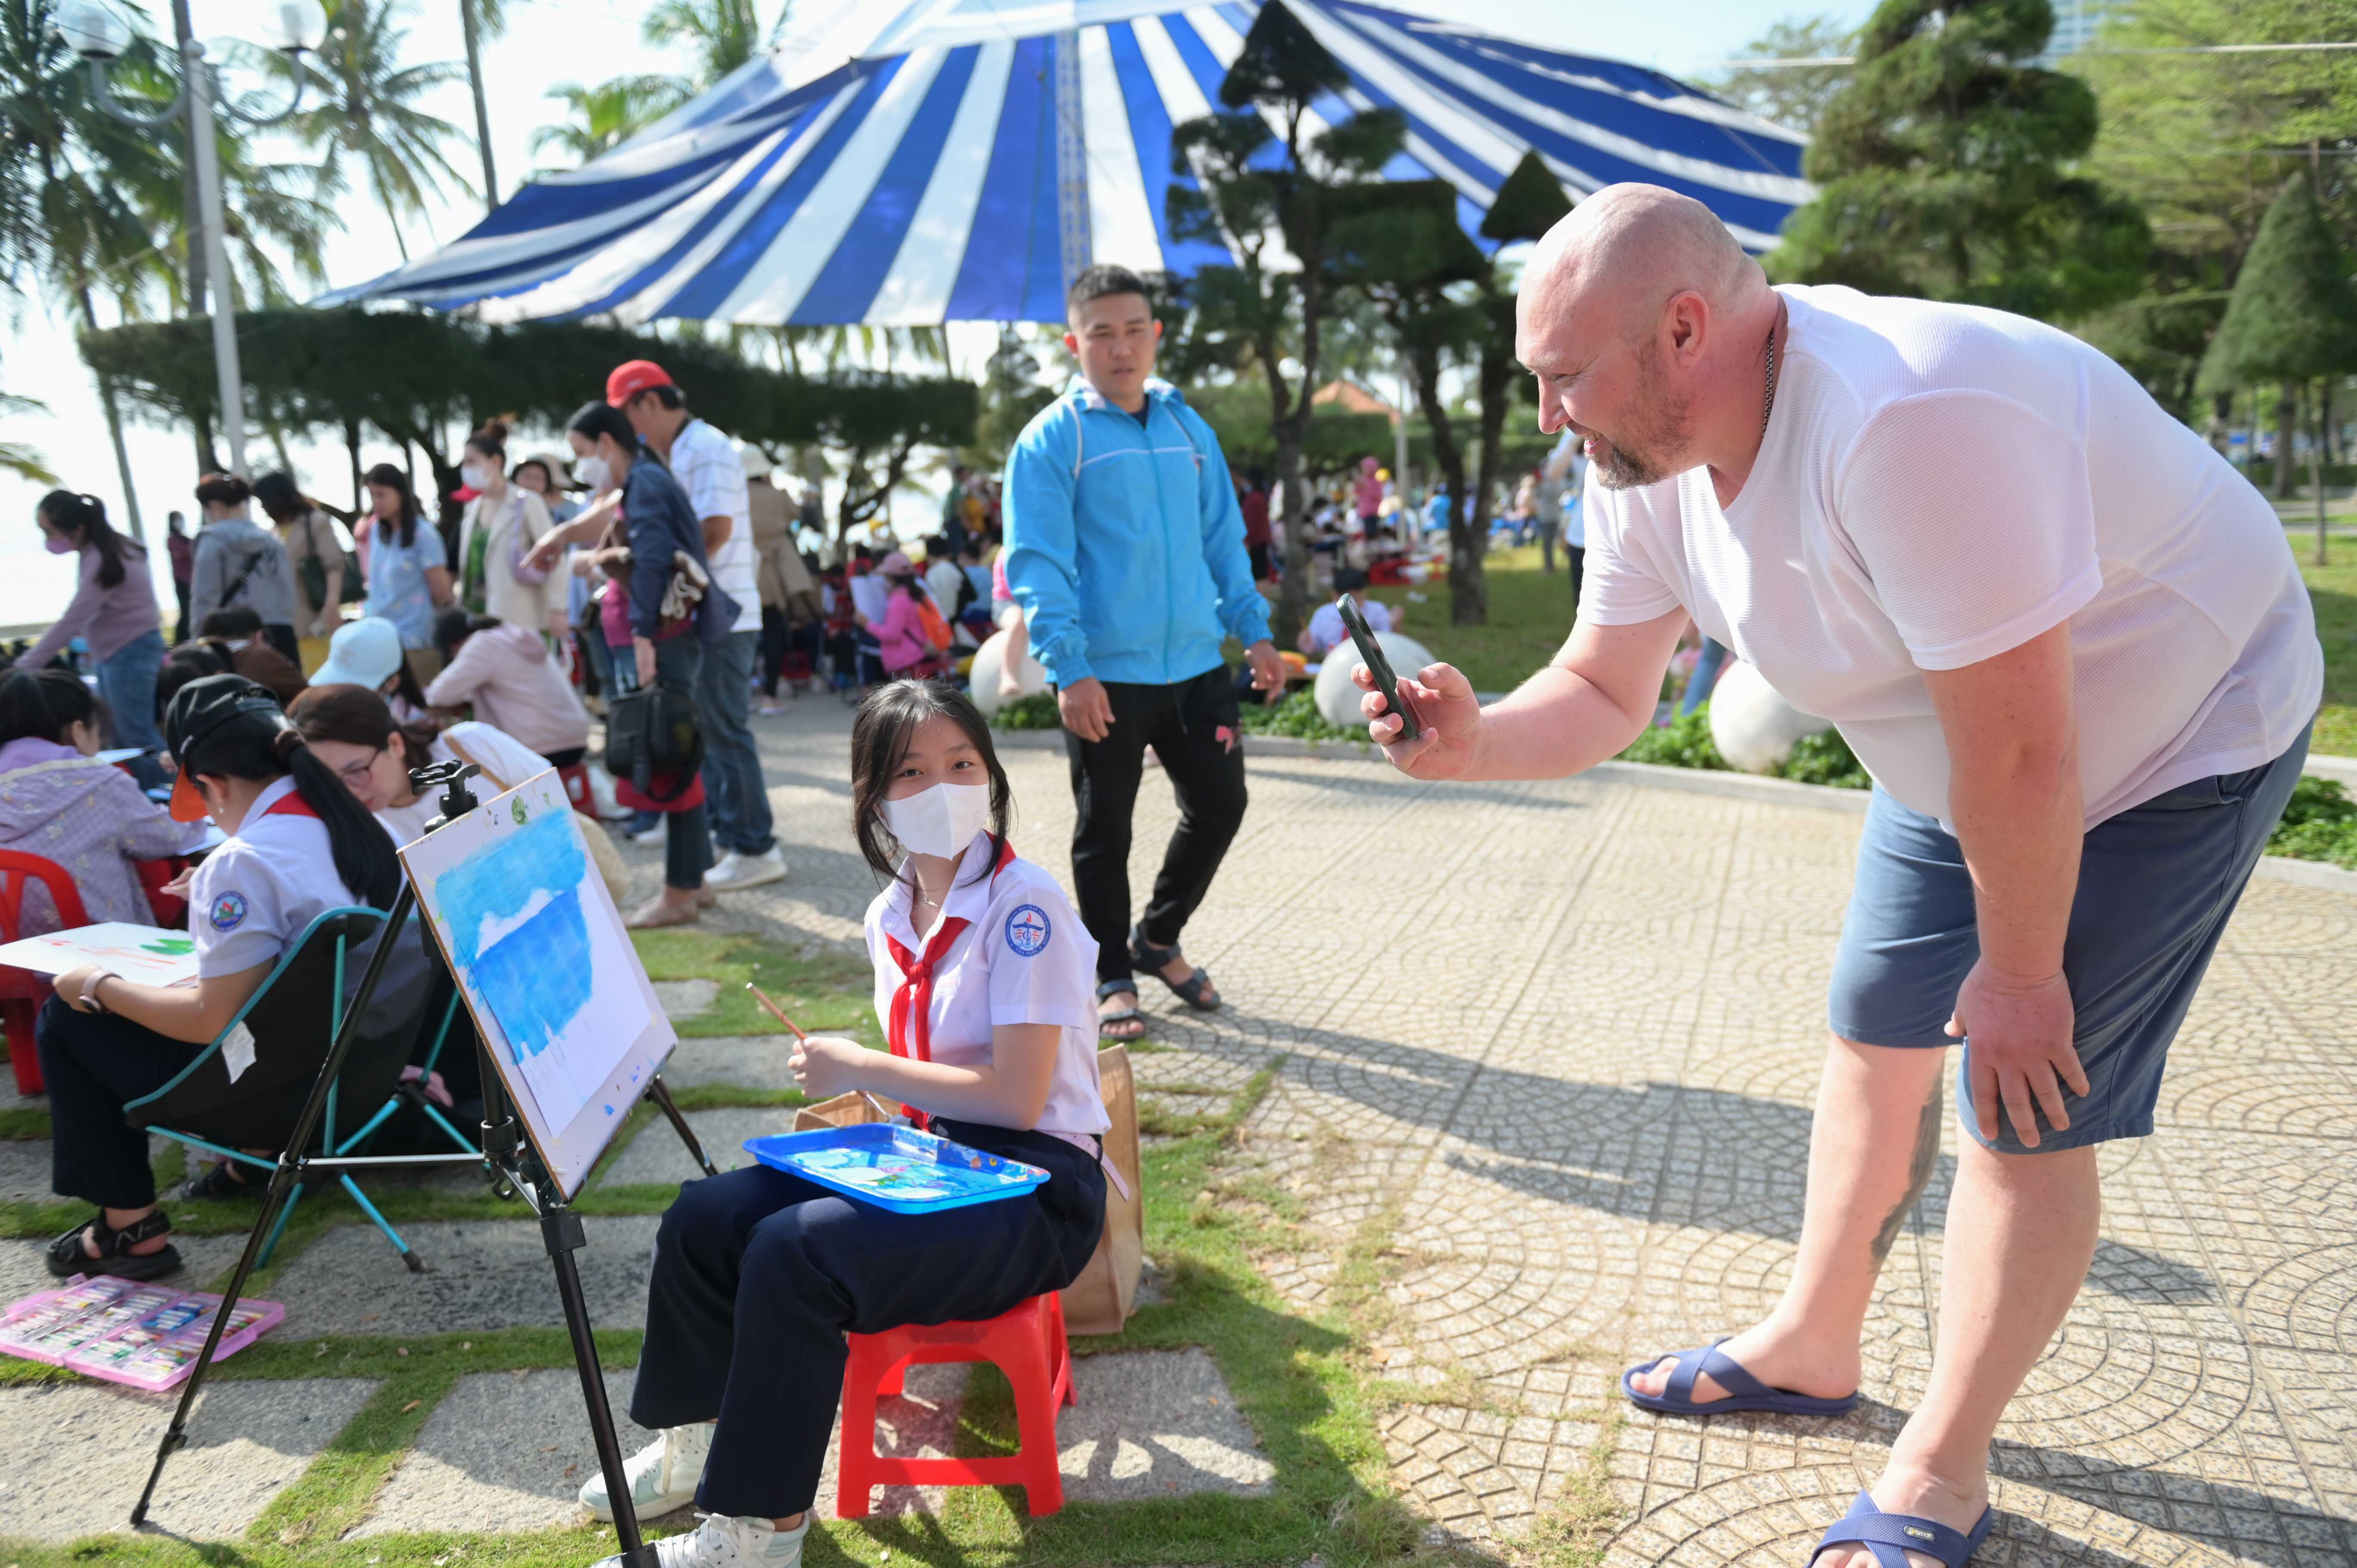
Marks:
<point>299,845</point>
<point>985,983</point>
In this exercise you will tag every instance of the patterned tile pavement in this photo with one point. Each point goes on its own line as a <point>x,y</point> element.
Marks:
<point>1559,1041</point>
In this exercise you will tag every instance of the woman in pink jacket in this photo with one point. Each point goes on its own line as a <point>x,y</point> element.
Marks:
<point>907,652</point>
<point>506,673</point>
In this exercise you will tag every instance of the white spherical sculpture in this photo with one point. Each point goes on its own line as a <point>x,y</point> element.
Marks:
<point>988,660</point>
<point>1752,726</point>
<point>1338,695</point>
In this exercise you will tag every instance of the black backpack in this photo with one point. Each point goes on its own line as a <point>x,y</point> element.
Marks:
<point>652,732</point>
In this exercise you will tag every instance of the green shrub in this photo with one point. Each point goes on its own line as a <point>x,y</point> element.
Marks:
<point>1683,742</point>
<point>1296,716</point>
<point>2319,823</point>
<point>1826,759</point>
<point>1036,712</point>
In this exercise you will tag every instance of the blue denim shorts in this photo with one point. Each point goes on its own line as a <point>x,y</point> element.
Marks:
<point>2155,885</point>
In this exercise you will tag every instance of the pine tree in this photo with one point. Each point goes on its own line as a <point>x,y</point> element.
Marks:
<point>2293,316</point>
<point>1939,169</point>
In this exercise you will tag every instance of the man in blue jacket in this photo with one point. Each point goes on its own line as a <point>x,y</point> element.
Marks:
<point>1125,548</point>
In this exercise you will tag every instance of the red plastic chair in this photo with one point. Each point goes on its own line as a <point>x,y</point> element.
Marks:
<point>22,991</point>
<point>1027,1344</point>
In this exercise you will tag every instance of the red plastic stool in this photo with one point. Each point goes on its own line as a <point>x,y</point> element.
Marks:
<point>576,780</point>
<point>1027,1344</point>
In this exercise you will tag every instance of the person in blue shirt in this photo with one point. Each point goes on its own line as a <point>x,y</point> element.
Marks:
<point>1125,550</point>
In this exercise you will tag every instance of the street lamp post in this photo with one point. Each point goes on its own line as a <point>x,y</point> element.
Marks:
<point>100,37</point>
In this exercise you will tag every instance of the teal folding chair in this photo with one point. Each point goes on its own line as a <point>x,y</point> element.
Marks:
<point>247,1088</point>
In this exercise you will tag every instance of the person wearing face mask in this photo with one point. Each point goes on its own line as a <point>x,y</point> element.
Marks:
<point>298,846</point>
<point>985,986</point>
<point>112,610</point>
<point>497,531</point>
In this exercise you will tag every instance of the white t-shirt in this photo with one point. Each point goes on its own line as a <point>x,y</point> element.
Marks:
<point>1024,958</point>
<point>706,464</point>
<point>1942,483</point>
<point>252,896</point>
<point>1325,627</point>
<point>507,761</point>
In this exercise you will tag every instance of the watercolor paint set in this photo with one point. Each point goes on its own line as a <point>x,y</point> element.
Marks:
<point>144,1336</point>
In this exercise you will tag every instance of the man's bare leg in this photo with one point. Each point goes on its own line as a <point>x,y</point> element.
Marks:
<point>1871,1148</point>
<point>2021,1232</point>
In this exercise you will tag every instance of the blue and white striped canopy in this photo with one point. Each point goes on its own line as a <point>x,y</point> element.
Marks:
<point>958,160</point>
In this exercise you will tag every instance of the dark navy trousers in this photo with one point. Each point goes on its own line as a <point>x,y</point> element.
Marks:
<point>759,1275</point>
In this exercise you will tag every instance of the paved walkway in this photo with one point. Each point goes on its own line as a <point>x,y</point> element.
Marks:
<point>1550,1050</point>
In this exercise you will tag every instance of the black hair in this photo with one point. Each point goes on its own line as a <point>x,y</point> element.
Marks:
<point>190,662</point>
<point>592,420</point>
<point>232,621</point>
<point>879,739</point>
<point>1095,283</point>
<point>38,705</point>
<point>547,475</point>
<point>394,479</point>
<point>667,395</point>
<point>492,440</point>
<point>280,497</point>
<point>452,625</point>
<point>86,517</point>
<point>225,489</point>
<point>247,748</point>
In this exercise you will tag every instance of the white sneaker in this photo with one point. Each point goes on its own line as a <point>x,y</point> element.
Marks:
<point>656,835</point>
<point>722,1542</point>
<point>735,871</point>
<point>662,1475</point>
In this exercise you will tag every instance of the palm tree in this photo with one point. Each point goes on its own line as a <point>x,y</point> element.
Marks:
<point>364,111</point>
<point>722,35</point>
<point>607,115</point>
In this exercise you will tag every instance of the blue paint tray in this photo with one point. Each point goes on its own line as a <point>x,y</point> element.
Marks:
<point>896,1167</point>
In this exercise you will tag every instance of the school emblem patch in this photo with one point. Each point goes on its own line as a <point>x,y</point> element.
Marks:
<point>229,912</point>
<point>1026,929</point>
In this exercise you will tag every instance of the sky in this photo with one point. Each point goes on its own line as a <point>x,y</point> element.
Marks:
<point>549,42</point>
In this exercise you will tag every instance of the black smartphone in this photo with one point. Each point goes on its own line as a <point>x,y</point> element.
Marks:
<point>1355,621</point>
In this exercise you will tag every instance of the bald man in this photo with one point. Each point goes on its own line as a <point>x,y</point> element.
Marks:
<point>2070,645</point>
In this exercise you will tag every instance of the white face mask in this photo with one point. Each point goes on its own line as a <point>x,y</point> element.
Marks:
<point>940,821</point>
<point>593,472</point>
<point>478,477</point>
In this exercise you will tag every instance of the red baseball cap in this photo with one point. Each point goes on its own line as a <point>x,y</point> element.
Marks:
<point>629,379</point>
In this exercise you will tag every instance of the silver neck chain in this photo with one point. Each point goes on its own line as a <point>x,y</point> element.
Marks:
<point>1768,401</point>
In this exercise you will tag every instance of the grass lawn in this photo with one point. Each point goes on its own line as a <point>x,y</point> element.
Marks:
<point>1530,614</point>
<point>2333,590</point>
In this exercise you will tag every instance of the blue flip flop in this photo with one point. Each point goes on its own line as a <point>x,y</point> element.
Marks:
<point>1890,1536</point>
<point>1744,1391</point>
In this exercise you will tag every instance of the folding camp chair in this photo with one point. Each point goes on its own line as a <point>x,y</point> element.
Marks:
<point>247,1089</point>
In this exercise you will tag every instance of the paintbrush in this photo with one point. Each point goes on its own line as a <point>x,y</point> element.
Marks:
<point>883,1112</point>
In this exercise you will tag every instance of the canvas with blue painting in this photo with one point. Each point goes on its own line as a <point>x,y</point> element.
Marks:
<point>546,968</point>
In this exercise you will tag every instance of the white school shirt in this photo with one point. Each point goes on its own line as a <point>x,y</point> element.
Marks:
<point>706,464</point>
<point>1024,958</point>
<point>1942,483</point>
<point>507,759</point>
<point>252,896</point>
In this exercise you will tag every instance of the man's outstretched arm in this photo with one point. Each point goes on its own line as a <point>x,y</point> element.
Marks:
<point>1596,696</point>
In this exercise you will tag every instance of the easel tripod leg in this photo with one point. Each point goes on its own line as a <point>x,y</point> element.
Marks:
<point>560,1229</point>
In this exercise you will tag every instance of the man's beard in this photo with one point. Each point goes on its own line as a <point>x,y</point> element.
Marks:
<point>1663,430</point>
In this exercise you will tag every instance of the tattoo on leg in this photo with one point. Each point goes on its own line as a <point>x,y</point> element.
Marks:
<point>1919,1174</point>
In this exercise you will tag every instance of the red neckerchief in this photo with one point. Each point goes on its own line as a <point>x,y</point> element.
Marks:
<point>911,1019</point>
<point>290,804</point>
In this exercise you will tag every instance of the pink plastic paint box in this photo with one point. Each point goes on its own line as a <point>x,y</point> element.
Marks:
<point>145,1336</point>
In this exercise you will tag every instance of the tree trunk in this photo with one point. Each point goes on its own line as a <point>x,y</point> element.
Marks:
<point>2316,469</point>
<point>207,461</point>
<point>1464,544</point>
<point>183,31</point>
<point>483,112</point>
<point>2286,423</point>
<point>2327,438</point>
<point>2222,407</point>
<point>352,450</point>
<point>114,430</point>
